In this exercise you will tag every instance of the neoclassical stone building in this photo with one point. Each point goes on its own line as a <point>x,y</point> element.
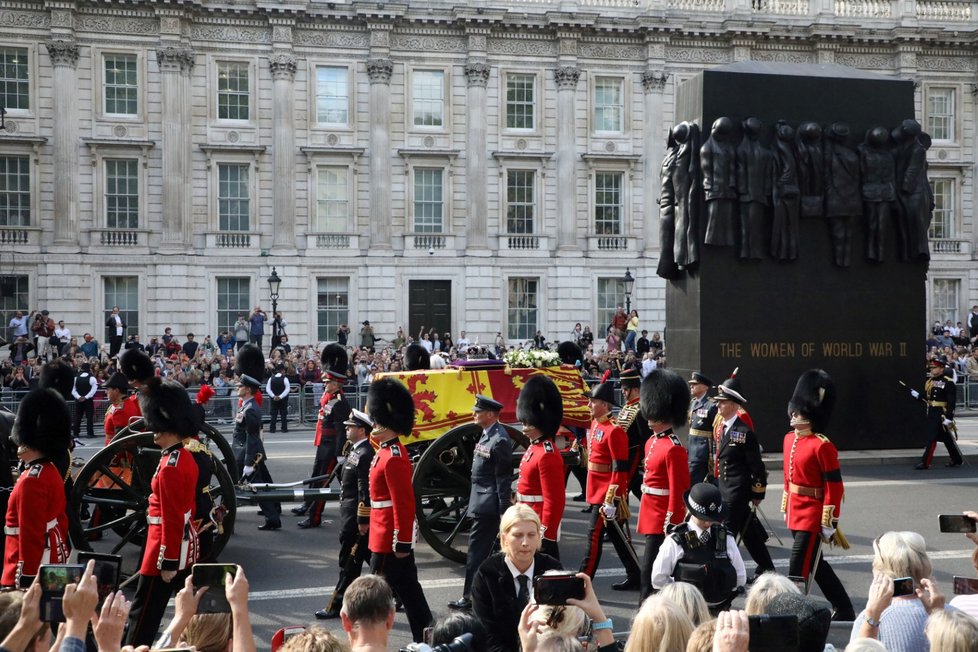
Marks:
<point>490,166</point>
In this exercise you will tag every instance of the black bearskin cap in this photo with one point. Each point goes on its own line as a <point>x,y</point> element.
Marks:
<point>814,398</point>
<point>416,357</point>
<point>136,365</point>
<point>664,397</point>
<point>570,353</point>
<point>249,365</point>
<point>44,423</point>
<point>540,405</point>
<point>390,405</point>
<point>58,375</point>
<point>334,358</point>
<point>166,407</point>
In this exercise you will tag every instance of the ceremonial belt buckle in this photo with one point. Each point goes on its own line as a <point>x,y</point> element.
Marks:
<point>654,491</point>
<point>598,468</point>
<point>380,504</point>
<point>526,498</point>
<point>811,492</point>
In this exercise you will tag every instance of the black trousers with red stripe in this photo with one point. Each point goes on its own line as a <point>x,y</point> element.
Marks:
<point>148,608</point>
<point>592,554</point>
<point>938,433</point>
<point>324,463</point>
<point>803,553</point>
<point>402,575</point>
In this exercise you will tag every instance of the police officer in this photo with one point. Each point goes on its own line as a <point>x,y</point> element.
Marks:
<point>631,421</point>
<point>492,478</point>
<point>83,391</point>
<point>249,450</point>
<point>702,414</point>
<point>393,529</point>
<point>354,509</point>
<point>278,388</point>
<point>939,396</point>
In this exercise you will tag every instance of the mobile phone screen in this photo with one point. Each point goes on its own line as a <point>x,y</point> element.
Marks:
<point>214,577</point>
<point>54,579</point>
<point>556,589</point>
<point>107,569</point>
<point>903,586</point>
<point>965,585</point>
<point>957,523</point>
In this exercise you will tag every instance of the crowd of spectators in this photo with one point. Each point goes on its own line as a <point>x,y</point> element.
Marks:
<point>958,343</point>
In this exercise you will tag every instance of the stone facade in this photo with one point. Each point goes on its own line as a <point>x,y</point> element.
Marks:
<point>360,147</point>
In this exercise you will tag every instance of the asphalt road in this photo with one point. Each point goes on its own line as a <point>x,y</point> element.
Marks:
<point>292,571</point>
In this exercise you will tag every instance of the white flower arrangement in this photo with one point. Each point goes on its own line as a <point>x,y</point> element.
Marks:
<point>536,358</point>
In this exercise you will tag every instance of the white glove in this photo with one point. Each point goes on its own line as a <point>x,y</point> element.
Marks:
<point>915,393</point>
<point>948,422</point>
<point>827,532</point>
<point>341,459</point>
<point>609,511</point>
<point>246,471</point>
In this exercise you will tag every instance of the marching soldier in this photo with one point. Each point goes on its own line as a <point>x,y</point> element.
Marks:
<point>607,446</point>
<point>541,484</point>
<point>813,490</point>
<point>631,421</point>
<point>393,529</point>
<point>278,388</point>
<point>702,414</point>
<point>665,400</point>
<point>940,395</point>
<point>354,509</point>
<point>490,496</point>
<point>249,450</point>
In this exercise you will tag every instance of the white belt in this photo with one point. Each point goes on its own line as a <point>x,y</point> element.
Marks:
<point>154,520</point>
<point>380,504</point>
<point>654,491</point>
<point>524,498</point>
<point>14,531</point>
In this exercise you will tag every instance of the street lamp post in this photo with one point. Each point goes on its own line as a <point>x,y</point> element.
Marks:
<point>628,281</point>
<point>273,285</point>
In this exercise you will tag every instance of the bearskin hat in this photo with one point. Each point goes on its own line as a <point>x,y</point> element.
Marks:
<point>540,405</point>
<point>44,423</point>
<point>166,407</point>
<point>570,353</point>
<point>664,397</point>
<point>57,375</point>
<point>136,365</point>
<point>814,398</point>
<point>249,365</point>
<point>390,405</point>
<point>416,357</point>
<point>335,358</point>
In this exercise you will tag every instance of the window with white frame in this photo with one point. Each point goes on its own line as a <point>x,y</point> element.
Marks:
<point>608,202</point>
<point>332,95</point>
<point>233,204</point>
<point>332,306</point>
<point>14,296</point>
<point>122,291</point>
<point>522,296</point>
<point>609,104</point>
<point>940,113</point>
<point>333,199</point>
<point>428,98</point>
<point>611,294</point>
<point>520,100</point>
<point>120,84</point>
<point>942,224</point>
<point>233,299</point>
<point>15,191</point>
<point>520,201</point>
<point>15,87</point>
<point>944,299</point>
<point>233,96</point>
<point>429,200</point>
<point>121,193</point>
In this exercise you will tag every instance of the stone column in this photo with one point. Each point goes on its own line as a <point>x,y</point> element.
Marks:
<point>477,77</point>
<point>654,83</point>
<point>379,72</point>
<point>176,63</point>
<point>566,157</point>
<point>64,58</point>
<point>283,67</point>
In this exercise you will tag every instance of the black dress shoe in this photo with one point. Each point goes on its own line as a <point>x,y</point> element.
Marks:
<point>265,527</point>
<point>306,524</point>
<point>631,584</point>
<point>462,604</point>
<point>588,509</point>
<point>300,511</point>
<point>579,498</point>
<point>951,465</point>
<point>921,467</point>
<point>324,614</point>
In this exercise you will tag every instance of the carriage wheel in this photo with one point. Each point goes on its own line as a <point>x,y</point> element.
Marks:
<point>209,436</point>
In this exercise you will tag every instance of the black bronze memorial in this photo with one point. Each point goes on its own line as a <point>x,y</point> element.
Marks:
<point>806,289</point>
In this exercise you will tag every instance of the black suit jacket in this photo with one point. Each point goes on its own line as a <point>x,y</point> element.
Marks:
<point>742,472</point>
<point>494,599</point>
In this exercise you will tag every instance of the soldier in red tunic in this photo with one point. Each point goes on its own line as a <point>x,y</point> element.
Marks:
<point>392,525</point>
<point>120,409</point>
<point>813,489</point>
<point>665,402</point>
<point>138,368</point>
<point>607,447</point>
<point>36,528</point>
<point>541,483</point>
<point>171,540</point>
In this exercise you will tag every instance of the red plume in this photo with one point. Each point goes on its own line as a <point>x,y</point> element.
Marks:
<point>205,394</point>
<point>258,397</point>
<point>605,376</point>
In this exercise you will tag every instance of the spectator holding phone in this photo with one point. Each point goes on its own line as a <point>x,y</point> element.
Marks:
<point>969,603</point>
<point>602,628</point>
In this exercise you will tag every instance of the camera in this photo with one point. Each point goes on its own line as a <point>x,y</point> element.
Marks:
<point>461,643</point>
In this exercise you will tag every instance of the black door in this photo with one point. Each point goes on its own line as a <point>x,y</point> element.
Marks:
<point>430,306</point>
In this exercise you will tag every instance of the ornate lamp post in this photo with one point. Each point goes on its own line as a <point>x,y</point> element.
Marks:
<point>273,285</point>
<point>628,282</point>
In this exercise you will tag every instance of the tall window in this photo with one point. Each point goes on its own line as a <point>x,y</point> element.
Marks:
<point>609,104</point>
<point>332,306</point>
<point>942,225</point>
<point>232,197</point>
<point>122,291</point>
<point>15,90</point>
<point>333,200</point>
<point>13,297</point>
<point>233,299</point>
<point>232,90</point>
<point>520,104</point>
<point>522,302</point>
<point>122,193</point>
<point>428,98</point>
<point>608,203</point>
<point>520,201</point>
<point>940,113</point>
<point>121,84</point>
<point>945,299</point>
<point>429,204</point>
<point>332,96</point>
<point>611,294</point>
<point>15,191</point>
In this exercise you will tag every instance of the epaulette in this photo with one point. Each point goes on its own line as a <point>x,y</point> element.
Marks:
<point>173,458</point>
<point>35,471</point>
<point>395,451</point>
<point>194,445</point>
<point>675,440</point>
<point>825,440</point>
<point>548,446</point>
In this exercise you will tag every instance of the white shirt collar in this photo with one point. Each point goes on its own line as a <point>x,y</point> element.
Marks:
<point>729,422</point>
<point>515,571</point>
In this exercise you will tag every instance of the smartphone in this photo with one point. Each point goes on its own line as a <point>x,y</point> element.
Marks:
<point>903,586</point>
<point>54,579</point>
<point>958,523</point>
<point>107,570</point>
<point>213,576</point>
<point>965,585</point>
<point>769,633</point>
<point>556,588</point>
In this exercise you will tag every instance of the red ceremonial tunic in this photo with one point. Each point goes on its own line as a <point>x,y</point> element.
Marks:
<point>811,465</point>
<point>171,540</point>
<point>666,480</point>
<point>392,525</point>
<point>607,459</point>
<point>323,426</point>
<point>36,525</point>
<point>541,485</point>
<point>118,417</point>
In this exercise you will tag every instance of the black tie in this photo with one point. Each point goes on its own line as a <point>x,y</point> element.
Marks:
<point>523,595</point>
<point>705,537</point>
